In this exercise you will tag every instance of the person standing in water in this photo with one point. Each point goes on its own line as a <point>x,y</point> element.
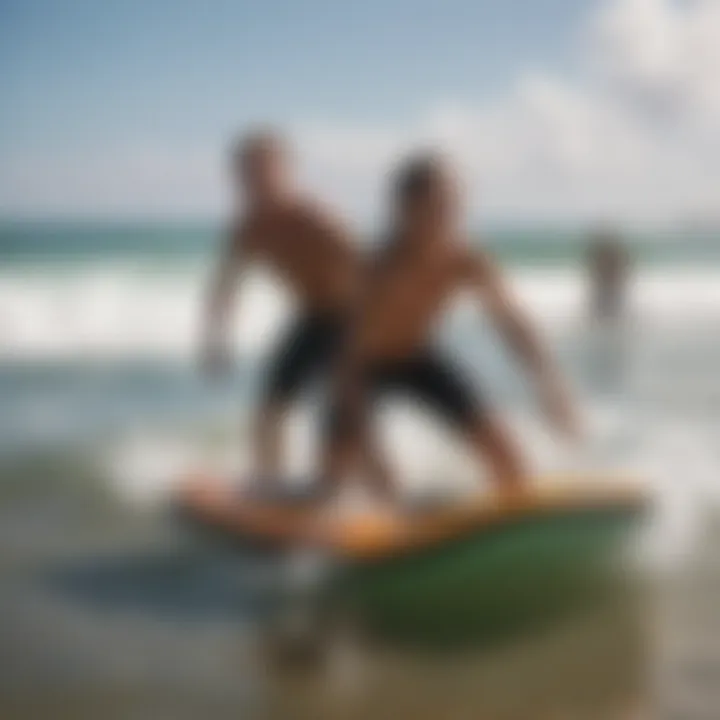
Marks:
<point>609,275</point>
<point>609,266</point>
<point>389,347</point>
<point>311,251</point>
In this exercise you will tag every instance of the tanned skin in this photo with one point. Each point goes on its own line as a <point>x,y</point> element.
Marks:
<point>308,248</point>
<point>427,263</point>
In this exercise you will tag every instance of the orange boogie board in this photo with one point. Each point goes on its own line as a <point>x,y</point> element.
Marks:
<point>374,535</point>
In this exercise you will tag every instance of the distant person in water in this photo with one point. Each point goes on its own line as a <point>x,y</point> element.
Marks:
<point>609,269</point>
<point>389,348</point>
<point>311,251</point>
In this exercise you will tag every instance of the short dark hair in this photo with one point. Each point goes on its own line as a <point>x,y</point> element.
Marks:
<point>415,176</point>
<point>259,140</point>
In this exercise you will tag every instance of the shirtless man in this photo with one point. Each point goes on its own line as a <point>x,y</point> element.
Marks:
<point>311,252</point>
<point>389,347</point>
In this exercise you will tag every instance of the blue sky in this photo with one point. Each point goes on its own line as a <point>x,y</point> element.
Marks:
<point>82,72</point>
<point>125,106</point>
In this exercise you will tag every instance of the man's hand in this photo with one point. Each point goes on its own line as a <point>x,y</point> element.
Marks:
<point>516,328</point>
<point>215,358</point>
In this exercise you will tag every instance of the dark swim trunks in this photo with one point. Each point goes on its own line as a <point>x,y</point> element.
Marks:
<point>427,376</point>
<point>306,350</point>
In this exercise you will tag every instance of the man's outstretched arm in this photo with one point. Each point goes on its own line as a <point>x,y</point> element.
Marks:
<point>519,333</point>
<point>223,285</point>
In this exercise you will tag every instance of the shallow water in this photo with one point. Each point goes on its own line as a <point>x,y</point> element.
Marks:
<point>108,609</point>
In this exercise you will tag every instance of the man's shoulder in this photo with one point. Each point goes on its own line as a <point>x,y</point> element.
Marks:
<point>242,232</point>
<point>470,259</point>
<point>313,212</point>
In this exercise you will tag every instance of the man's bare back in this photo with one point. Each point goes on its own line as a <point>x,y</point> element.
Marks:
<point>311,252</point>
<point>306,248</point>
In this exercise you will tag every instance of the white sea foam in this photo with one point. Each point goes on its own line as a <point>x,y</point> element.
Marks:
<point>662,425</point>
<point>124,312</point>
<point>673,459</point>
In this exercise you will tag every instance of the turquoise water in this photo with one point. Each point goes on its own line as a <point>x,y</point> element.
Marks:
<point>70,242</point>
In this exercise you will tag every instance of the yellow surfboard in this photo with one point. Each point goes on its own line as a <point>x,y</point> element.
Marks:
<point>375,534</point>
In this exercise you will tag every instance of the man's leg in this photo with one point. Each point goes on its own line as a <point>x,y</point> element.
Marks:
<point>375,469</point>
<point>268,439</point>
<point>339,459</point>
<point>494,445</point>
<point>294,360</point>
<point>444,387</point>
<point>350,453</point>
<point>350,444</point>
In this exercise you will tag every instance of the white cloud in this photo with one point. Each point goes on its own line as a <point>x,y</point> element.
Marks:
<point>137,180</point>
<point>638,136</point>
<point>634,134</point>
<point>664,53</point>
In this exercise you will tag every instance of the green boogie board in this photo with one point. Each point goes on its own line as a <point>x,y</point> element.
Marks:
<point>477,568</point>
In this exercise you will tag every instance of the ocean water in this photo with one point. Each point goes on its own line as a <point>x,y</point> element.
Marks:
<point>104,608</point>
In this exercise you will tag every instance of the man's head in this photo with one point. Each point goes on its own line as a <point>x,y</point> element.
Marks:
<point>260,165</point>
<point>607,252</point>
<point>426,192</point>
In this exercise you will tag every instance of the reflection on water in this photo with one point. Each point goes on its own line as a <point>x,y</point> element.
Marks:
<point>586,667</point>
<point>105,612</point>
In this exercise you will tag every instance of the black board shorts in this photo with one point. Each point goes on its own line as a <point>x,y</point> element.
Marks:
<point>428,376</point>
<point>306,350</point>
